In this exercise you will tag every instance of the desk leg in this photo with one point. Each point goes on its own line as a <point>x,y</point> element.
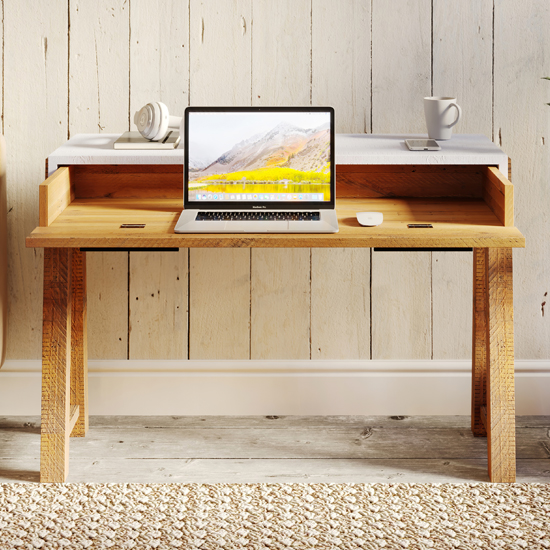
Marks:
<point>79,346</point>
<point>56,370</point>
<point>479,344</point>
<point>493,401</point>
<point>501,419</point>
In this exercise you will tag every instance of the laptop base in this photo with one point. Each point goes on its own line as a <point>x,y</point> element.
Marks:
<point>187,223</point>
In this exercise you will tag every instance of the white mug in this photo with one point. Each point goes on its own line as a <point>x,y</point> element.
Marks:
<point>440,112</point>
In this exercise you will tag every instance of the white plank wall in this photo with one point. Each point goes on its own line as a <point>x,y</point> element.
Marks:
<point>340,279</point>
<point>158,305</point>
<point>341,62</point>
<point>401,76</point>
<point>280,279</point>
<point>220,65</point>
<point>464,73</point>
<point>158,282</point>
<point>35,104</point>
<point>84,67</point>
<point>98,101</point>
<point>522,125</point>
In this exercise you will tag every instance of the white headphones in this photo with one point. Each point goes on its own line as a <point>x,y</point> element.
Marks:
<point>153,121</point>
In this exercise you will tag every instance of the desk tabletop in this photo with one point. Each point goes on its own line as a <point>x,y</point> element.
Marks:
<point>350,149</point>
<point>95,223</point>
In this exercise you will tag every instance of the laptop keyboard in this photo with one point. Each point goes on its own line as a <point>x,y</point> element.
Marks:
<point>259,216</point>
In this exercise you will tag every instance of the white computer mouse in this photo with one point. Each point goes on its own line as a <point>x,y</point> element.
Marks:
<point>370,219</point>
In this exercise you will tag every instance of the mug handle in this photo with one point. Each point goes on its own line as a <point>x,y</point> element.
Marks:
<point>458,115</point>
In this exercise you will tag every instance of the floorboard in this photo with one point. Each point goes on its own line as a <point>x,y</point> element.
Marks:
<point>275,449</point>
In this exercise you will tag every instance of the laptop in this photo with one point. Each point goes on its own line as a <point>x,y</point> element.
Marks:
<point>258,170</point>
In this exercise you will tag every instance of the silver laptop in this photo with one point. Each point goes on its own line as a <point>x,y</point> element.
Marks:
<point>258,170</point>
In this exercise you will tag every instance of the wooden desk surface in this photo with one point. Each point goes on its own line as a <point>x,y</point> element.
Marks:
<point>95,223</point>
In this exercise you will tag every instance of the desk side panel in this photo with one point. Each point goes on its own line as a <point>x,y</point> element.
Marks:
<point>55,194</point>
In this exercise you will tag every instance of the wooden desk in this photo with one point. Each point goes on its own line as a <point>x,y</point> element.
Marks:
<point>82,206</point>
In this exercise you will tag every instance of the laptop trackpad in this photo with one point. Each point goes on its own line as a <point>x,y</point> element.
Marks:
<point>256,227</point>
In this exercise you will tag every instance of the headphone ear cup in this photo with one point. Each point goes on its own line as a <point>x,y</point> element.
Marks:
<point>163,118</point>
<point>144,120</point>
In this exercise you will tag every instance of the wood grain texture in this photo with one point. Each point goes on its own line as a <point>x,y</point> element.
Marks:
<point>465,72</point>
<point>340,303</point>
<point>159,55</point>
<point>451,308</point>
<point>522,129</point>
<point>402,27</point>
<point>98,66</point>
<point>219,304</point>
<point>174,446</point>
<point>35,104</point>
<point>99,63</point>
<point>353,181</point>
<point>281,32</point>
<point>401,306</point>
<point>56,365</point>
<point>221,69</point>
<point>36,65</point>
<point>158,305</point>
<point>55,194</point>
<point>401,317</point>
<point>456,223</point>
<point>223,33</point>
<point>340,62</point>
<point>280,288</point>
<point>79,342</point>
<point>107,274</point>
<point>158,282</point>
<point>397,180</point>
<point>479,341</point>
<point>498,193</point>
<point>501,433</point>
<point>3,253</point>
<point>96,181</point>
<point>280,304</point>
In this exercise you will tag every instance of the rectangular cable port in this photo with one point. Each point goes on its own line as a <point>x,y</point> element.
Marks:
<point>419,225</point>
<point>132,226</point>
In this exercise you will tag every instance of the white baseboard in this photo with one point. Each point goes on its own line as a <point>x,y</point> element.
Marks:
<point>275,387</point>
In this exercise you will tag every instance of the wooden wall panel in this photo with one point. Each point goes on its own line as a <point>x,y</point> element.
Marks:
<point>280,310</point>
<point>340,303</point>
<point>159,55</point>
<point>158,305</point>
<point>401,305</point>
<point>300,52</point>
<point>522,127</point>
<point>219,304</point>
<point>341,62</point>
<point>220,74</point>
<point>280,304</point>
<point>158,282</point>
<point>340,279</point>
<point>464,73</point>
<point>98,102</point>
<point>401,77</point>
<point>35,104</point>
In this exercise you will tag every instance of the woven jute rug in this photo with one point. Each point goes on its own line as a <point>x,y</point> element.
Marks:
<point>275,516</point>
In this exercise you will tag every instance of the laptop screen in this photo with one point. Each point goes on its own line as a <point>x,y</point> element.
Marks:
<point>259,157</point>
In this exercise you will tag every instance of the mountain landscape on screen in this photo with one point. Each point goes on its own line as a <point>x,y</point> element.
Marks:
<point>285,153</point>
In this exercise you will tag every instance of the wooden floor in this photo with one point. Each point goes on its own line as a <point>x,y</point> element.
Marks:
<point>275,449</point>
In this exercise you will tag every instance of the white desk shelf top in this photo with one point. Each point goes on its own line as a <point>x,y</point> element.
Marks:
<point>350,149</point>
